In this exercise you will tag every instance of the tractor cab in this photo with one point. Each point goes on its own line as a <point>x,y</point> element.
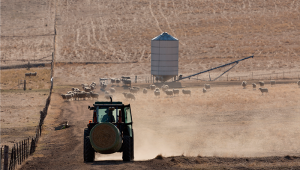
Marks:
<point>109,131</point>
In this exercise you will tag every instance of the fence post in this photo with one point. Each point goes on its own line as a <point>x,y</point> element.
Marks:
<point>5,166</point>
<point>1,158</point>
<point>24,85</point>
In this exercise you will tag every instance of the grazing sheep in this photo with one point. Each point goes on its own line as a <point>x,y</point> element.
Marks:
<point>169,92</point>
<point>108,96</point>
<point>33,74</point>
<point>112,80</point>
<point>176,91</point>
<point>254,86</point>
<point>272,82</point>
<point>186,92</point>
<point>75,96</point>
<point>28,74</point>
<point>118,81</point>
<point>63,96</point>
<point>204,90</point>
<point>87,89</point>
<point>94,95</point>
<point>76,90</point>
<point>130,96</point>
<point>164,87</point>
<point>84,85</point>
<point>81,95</point>
<point>133,90</point>
<point>103,85</point>
<point>157,92</point>
<point>263,90</point>
<point>112,90</point>
<point>207,86</point>
<point>73,88</point>
<point>152,87</point>
<point>244,84</point>
<point>145,91</point>
<point>68,96</point>
<point>134,87</point>
<point>261,83</point>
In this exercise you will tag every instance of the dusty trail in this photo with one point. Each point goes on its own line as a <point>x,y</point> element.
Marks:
<point>226,122</point>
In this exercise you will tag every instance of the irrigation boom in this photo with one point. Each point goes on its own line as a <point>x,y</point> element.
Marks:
<point>235,62</point>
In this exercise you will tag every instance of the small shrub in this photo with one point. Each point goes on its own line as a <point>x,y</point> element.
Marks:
<point>159,157</point>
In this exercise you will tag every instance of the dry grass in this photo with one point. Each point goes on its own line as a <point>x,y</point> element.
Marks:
<point>210,32</point>
<point>11,78</point>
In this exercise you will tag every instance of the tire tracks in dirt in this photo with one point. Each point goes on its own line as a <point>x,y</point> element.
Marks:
<point>151,11</point>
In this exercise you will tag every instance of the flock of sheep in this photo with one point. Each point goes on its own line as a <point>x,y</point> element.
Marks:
<point>86,93</point>
<point>261,84</point>
<point>156,91</point>
<point>87,90</point>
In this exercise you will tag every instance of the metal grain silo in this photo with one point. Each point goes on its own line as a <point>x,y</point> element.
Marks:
<point>164,57</point>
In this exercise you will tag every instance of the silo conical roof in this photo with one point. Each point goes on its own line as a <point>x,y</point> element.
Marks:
<point>165,37</point>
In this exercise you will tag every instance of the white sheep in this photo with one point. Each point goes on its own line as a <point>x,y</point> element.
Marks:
<point>204,90</point>
<point>272,82</point>
<point>186,92</point>
<point>157,92</point>
<point>87,89</point>
<point>108,96</point>
<point>263,90</point>
<point>164,87</point>
<point>152,87</point>
<point>207,86</point>
<point>169,92</point>
<point>112,90</point>
<point>68,96</point>
<point>94,95</point>
<point>130,96</point>
<point>124,94</point>
<point>176,91</point>
<point>133,90</point>
<point>254,86</point>
<point>244,84</point>
<point>261,83</point>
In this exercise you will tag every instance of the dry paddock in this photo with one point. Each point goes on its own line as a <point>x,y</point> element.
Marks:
<point>227,121</point>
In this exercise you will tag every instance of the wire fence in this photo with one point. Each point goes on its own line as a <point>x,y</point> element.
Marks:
<point>280,75</point>
<point>11,158</point>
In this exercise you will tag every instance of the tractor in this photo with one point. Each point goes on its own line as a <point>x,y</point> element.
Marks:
<point>110,131</point>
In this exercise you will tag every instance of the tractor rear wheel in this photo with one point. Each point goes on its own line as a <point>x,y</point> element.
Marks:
<point>88,150</point>
<point>127,148</point>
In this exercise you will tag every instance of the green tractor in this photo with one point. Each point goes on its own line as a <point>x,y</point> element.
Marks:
<point>110,131</point>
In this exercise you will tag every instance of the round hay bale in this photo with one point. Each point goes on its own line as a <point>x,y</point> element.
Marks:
<point>105,138</point>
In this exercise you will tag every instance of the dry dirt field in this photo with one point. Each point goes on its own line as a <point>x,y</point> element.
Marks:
<point>228,127</point>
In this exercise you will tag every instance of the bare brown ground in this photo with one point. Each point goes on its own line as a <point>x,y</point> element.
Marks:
<point>228,127</point>
<point>227,121</point>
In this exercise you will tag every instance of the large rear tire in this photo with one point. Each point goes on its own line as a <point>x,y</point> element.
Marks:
<point>88,150</point>
<point>132,146</point>
<point>127,148</point>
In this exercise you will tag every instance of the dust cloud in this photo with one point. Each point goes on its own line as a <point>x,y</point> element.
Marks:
<point>226,121</point>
